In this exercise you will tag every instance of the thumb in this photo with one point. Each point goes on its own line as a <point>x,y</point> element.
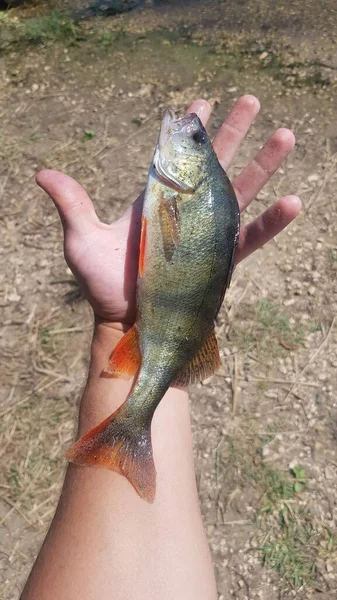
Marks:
<point>72,202</point>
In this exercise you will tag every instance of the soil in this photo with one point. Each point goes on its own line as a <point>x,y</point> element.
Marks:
<point>91,108</point>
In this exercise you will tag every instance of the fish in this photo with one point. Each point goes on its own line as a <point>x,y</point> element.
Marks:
<point>189,233</point>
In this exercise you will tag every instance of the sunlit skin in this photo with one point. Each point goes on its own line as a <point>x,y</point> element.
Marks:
<point>105,542</point>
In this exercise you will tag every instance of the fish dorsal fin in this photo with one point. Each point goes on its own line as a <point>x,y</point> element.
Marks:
<point>169,225</point>
<point>125,360</point>
<point>204,364</point>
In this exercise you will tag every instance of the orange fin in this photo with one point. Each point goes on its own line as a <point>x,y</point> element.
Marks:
<point>121,444</point>
<point>142,245</point>
<point>203,365</point>
<point>125,360</point>
<point>170,226</point>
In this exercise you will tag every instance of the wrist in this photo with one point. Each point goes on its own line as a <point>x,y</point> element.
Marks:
<point>102,394</point>
<point>107,334</point>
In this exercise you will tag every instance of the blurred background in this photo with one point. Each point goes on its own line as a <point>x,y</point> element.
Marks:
<point>83,85</point>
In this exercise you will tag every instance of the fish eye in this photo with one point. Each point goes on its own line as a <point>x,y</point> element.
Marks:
<point>199,137</point>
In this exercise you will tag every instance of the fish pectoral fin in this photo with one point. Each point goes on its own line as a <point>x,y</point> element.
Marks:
<point>170,225</point>
<point>203,365</point>
<point>125,360</point>
<point>122,444</point>
<point>142,245</point>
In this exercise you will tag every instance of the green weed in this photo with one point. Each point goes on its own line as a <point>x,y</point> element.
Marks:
<point>49,28</point>
<point>45,339</point>
<point>328,546</point>
<point>291,551</point>
<point>266,327</point>
<point>13,477</point>
<point>289,540</point>
<point>332,257</point>
<point>108,39</point>
<point>88,135</point>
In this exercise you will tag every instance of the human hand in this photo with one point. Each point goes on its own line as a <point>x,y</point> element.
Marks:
<point>104,258</point>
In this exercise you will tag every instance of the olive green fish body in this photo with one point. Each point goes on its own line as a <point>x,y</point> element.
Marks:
<point>190,227</point>
<point>179,298</point>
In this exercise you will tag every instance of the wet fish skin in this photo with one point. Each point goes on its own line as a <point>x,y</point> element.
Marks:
<point>188,290</point>
<point>189,235</point>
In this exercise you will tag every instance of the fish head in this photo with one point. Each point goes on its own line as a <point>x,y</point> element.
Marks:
<point>182,151</point>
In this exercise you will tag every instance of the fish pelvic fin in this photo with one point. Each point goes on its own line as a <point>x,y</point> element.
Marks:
<point>121,443</point>
<point>125,360</point>
<point>202,365</point>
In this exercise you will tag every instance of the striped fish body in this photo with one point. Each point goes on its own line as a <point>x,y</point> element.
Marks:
<point>190,227</point>
<point>184,280</point>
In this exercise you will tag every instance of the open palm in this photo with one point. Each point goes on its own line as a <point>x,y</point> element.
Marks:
<point>104,258</point>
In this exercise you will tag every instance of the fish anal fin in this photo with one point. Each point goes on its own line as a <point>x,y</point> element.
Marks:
<point>125,360</point>
<point>142,246</point>
<point>169,225</point>
<point>122,445</point>
<point>203,365</point>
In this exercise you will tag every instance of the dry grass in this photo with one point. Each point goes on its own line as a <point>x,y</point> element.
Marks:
<point>38,416</point>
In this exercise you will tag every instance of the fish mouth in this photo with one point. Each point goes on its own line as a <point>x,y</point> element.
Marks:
<point>169,126</point>
<point>172,124</point>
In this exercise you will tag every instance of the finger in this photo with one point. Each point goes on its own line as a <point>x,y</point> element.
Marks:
<point>72,202</point>
<point>201,108</point>
<point>252,179</point>
<point>268,225</point>
<point>234,128</point>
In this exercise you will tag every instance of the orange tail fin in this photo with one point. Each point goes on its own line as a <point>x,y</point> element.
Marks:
<point>122,443</point>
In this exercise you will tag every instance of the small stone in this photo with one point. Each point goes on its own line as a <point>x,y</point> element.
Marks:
<point>330,567</point>
<point>263,55</point>
<point>320,398</point>
<point>329,472</point>
<point>13,296</point>
<point>313,177</point>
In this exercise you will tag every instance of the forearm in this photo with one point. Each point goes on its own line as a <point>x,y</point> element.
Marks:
<point>105,542</point>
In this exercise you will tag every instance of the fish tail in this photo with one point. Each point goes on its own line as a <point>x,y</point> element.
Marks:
<point>121,443</point>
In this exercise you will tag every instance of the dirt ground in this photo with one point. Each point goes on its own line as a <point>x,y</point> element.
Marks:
<point>265,429</point>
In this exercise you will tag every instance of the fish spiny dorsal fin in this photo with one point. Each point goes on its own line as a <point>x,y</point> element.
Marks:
<point>204,364</point>
<point>169,225</point>
<point>125,360</point>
